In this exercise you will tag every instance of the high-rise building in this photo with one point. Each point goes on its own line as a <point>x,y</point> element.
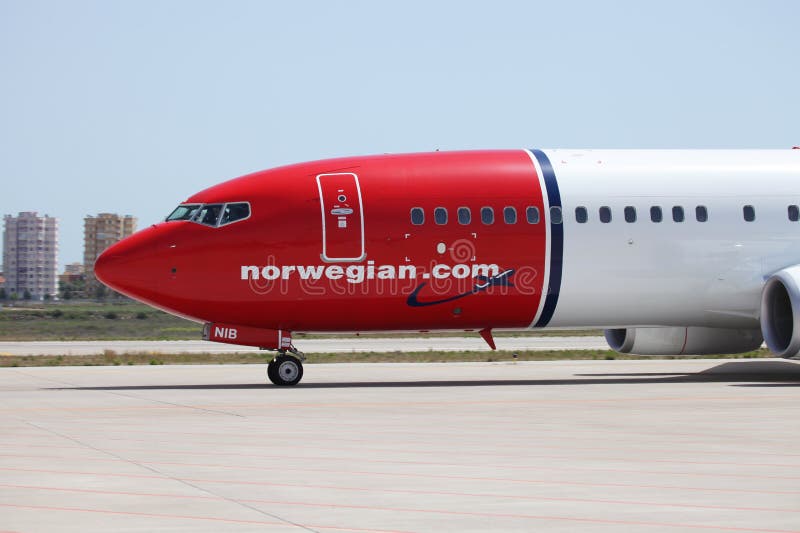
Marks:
<point>99,233</point>
<point>30,252</point>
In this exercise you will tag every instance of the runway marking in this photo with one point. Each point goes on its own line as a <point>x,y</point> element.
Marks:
<point>396,474</point>
<point>193,517</point>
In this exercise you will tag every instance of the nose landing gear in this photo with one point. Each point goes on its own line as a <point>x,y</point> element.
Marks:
<point>286,369</point>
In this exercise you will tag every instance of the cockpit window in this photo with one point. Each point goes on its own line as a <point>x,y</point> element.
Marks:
<point>234,212</point>
<point>184,212</point>
<point>213,215</point>
<point>208,214</point>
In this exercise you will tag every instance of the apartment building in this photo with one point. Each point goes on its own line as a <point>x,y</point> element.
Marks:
<point>100,232</point>
<point>30,253</point>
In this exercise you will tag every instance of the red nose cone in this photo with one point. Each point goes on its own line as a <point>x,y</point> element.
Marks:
<point>111,270</point>
<point>104,268</point>
<point>130,266</point>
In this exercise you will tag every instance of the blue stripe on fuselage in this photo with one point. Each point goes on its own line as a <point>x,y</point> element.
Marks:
<point>556,240</point>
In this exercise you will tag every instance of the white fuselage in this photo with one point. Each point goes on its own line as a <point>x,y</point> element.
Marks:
<point>669,273</point>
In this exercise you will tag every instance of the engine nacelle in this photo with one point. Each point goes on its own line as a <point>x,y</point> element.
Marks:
<point>683,341</point>
<point>780,312</point>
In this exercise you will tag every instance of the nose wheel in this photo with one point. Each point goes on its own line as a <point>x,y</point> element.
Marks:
<point>285,370</point>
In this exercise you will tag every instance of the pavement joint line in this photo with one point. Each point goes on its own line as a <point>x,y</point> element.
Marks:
<point>532,517</point>
<point>192,517</point>
<point>41,378</point>
<point>466,478</point>
<point>229,466</point>
<point>428,434</point>
<point>351,404</point>
<point>174,404</point>
<point>71,386</point>
<point>471,453</point>
<point>414,510</point>
<point>164,475</point>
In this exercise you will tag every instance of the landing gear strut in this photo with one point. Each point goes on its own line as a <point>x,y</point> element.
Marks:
<point>287,367</point>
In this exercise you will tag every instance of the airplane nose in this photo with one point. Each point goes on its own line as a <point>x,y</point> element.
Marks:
<point>129,266</point>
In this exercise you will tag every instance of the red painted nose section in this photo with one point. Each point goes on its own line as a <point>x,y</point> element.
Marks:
<point>130,266</point>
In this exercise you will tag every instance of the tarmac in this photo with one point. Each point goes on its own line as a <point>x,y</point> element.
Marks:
<point>598,446</point>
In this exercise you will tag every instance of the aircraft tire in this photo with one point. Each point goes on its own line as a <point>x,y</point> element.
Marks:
<point>271,371</point>
<point>285,371</point>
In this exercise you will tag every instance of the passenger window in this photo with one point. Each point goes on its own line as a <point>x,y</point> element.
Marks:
<point>701,213</point>
<point>581,215</point>
<point>440,215</point>
<point>605,214</point>
<point>209,214</point>
<point>234,212</point>
<point>487,215</point>
<point>677,213</point>
<point>510,215</point>
<point>464,215</point>
<point>556,217</point>
<point>749,213</point>
<point>417,216</point>
<point>630,214</point>
<point>532,214</point>
<point>655,214</point>
<point>794,213</point>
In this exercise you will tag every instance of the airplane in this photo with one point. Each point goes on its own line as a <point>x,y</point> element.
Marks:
<point>669,251</point>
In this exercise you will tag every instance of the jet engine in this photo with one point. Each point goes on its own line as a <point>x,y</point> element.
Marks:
<point>682,341</point>
<point>780,312</point>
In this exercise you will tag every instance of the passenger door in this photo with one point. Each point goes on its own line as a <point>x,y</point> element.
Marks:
<point>342,217</point>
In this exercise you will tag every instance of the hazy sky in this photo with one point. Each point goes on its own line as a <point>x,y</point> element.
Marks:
<point>131,106</point>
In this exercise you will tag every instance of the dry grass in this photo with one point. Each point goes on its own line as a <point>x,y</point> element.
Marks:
<point>93,321</point>
<point>59,321</point>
